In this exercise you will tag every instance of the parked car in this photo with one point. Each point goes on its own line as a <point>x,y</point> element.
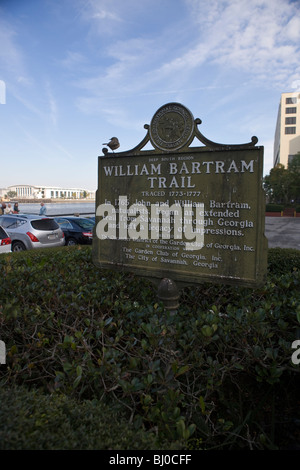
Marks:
<point>77,230</point>
<point>28,231</point>
<point>5,241</point>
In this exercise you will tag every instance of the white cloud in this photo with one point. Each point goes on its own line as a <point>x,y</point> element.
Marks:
<point>259,37</point>
<point>26,101</point>
<point>254,35</point>
<point>293,29</point>
<point>10,57</point>
<point>73,59</point>
<point>103,14</point>
<point>53,109</point>
<point>13,63</point>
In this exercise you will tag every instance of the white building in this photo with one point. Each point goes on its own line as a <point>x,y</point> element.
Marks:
<point>287,133</point>
<point>27,191</point>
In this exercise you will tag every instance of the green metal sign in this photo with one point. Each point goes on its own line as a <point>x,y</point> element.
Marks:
<point>190,214</point>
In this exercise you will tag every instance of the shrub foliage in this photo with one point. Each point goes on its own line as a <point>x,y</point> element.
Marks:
<point>217,374</point>
<point>274,207</point>
<point>36,421</point>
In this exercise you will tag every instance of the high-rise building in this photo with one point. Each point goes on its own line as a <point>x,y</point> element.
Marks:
<point>287,133</point>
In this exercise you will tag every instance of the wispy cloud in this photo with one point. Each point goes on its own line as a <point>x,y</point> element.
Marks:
<point>102,16</point>
<point>10,57</point>
<point>13,65</point>
<point>52,104</point>
<point>73,60</point>
<point>25,101</point>
<point>257,37</point>
<point>64,151</point>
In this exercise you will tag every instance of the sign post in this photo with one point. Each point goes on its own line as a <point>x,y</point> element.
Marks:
<point>180,212</point>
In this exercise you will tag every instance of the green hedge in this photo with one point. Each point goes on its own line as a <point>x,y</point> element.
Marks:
<point>283,261</point>
<point>31,420</point>
<point>274,207</point>
<point>218,374</point>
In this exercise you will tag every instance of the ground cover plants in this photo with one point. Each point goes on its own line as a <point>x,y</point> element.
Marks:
<point>87,342</point>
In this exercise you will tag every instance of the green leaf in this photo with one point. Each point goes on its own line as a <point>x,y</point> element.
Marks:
<point>147,399</point>
<point>67,366</point>
<point>77,381</point>
<point>180,426</point>
<point>202,404</point>
<point>207,331</point>
<point>191,429</point>
<point>182,370</point>
<point>239,366</point>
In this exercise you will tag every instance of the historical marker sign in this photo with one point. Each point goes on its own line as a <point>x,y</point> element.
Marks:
<point>191,214</point>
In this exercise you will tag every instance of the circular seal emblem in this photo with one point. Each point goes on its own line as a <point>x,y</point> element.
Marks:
<point>171,127</point>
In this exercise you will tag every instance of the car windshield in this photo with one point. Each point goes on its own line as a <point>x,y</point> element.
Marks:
<point>85,223</point>
<point>44,224</point>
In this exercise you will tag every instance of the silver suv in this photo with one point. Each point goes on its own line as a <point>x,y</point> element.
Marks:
<point>32,231</point>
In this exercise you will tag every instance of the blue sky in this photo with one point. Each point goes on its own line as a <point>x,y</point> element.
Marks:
<point>76,72</point>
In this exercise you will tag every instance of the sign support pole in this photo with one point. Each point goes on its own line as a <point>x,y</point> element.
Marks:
<point>168,293</point>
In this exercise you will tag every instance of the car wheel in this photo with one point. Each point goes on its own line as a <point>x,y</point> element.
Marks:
<point>71,242</point>
<point>18,246</point>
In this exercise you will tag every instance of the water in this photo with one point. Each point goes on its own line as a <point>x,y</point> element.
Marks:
<point>60,208</point>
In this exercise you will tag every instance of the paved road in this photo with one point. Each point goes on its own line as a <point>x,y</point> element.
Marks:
<point>283,232</point>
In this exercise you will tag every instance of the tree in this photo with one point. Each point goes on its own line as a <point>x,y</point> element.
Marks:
<point>294,171</point>
<point>283,185</point>
<point>11,194</point>
<point>277,184</point>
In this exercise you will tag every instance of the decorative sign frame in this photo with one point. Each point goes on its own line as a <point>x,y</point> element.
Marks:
<point>186,213</point>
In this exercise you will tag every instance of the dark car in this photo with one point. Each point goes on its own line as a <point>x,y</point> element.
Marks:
<point>77,230</point>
